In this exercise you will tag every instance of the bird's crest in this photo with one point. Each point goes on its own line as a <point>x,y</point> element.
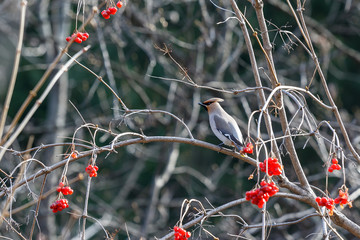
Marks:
<point>212,100</point>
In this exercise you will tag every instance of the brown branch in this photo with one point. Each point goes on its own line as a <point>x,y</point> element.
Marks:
<point>34,91</point>
<point>258,82</point>
<point>42,197</point>
<point>218,210</point>
<point>37,207</point>
<point>302,25</point>
<point>12,228</point>
<point>279,97</point>
<point>144,139</point>
<point>10,91</point>
<point>38,102</point>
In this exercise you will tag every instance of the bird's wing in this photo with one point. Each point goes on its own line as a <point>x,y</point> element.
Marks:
<point>226,129</point>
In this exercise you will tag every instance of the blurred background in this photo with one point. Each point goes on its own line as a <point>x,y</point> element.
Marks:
<point>139,190</point>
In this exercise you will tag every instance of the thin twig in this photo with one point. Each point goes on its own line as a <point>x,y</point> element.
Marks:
<point>12,228</point>
<point>103,82</point>
<point>49,70</point>
<point>130,112</point>
<point>221,208</point>
<point>144,139</point>
<point>37,207</point>
<point>10,91</point>
<point>256,74</point>
<point>84,215</point>
<point>38,102</point>
<point>302,25</point>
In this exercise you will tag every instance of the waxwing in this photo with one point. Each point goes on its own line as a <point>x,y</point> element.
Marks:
<point>222,124</point>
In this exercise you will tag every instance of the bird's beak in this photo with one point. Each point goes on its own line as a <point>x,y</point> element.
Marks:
<point>203,105</point>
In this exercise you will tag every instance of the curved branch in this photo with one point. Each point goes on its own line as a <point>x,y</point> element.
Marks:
<point>130,112</point>
<point>274,224</point>
<point>50,69</point>
<point>144,139</point>
<point>224,207</point>
<point>14,73</point>
<point>39,101</point>
<point>302,26</point>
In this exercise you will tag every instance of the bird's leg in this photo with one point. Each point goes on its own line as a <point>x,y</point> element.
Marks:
<point>221,145</point>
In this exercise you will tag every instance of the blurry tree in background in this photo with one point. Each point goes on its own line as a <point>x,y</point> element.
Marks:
<point>123,105</point>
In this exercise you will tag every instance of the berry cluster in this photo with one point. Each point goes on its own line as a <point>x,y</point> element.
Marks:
<point>273,166</point>
<point>79,37</point>
<point>64,190</point>
<point>59,205</point>
<point>181,234</point>
<point>261,195</point>
<point>92,170</point>
<point>326,202</point>
<point>111,10</point>
<point>334,165</point>
<point>248,149</point>
<point>342,199</point>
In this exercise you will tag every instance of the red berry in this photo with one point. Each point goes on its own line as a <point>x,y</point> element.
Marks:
<point>261,195</point>
<point>85,36</point>
<point>119,4</point>
<point>67,190</point>
<point>59,205</point>
<point>181,234</point>
<point>105,14</point>
<point>338,167</point>
<point>182,231</point>
<point>266,197</point>
<point>112,10</point>
<point>92,170</point>
<point>248,149</point>
<point>326,202</point>
<point>334,161</point>
<point>342,199</point>
<point>271,166</point>
<point>68,39</point>
<point>78,40</point>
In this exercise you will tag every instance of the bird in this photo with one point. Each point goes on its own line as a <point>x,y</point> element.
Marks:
<point>222,124</point>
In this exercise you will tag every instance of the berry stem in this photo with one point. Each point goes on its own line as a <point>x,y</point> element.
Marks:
<point>37,206</point>
<point>84,215</point>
